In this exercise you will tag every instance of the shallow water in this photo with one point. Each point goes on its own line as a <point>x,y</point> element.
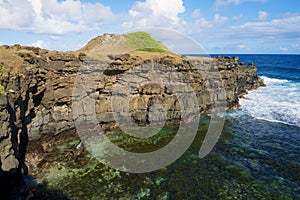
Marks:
<point>253,159</point>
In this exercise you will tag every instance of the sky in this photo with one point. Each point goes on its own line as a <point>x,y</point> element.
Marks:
<point>219,26</point>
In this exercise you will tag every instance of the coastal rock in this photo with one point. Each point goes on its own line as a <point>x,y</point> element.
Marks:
<point>53,81</point>
<point>48,88</point>
<point>9,163</point>
<point>40,84</point>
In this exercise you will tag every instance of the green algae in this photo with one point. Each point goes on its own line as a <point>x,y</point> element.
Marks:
<point>143,194</point>
<point>159,180</point>
<point>143,145</point>
<point>213,177</point>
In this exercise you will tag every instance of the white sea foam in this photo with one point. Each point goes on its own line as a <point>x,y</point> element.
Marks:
<point>273,80</point>
<point>278,102</point>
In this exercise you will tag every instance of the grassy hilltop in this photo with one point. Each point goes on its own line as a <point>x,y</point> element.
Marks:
<point>143,41</point>
<point>116,44</point>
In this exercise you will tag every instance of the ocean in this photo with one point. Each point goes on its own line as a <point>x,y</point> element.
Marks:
<point>256,157</point>
<point>280,100</point>
<point>267,125</point>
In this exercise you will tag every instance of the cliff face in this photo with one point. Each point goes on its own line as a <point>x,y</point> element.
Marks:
<point>37,99</point>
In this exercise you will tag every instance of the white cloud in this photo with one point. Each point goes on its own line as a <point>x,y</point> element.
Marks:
<point>203,23</point>
<point>40,44</point>
<point>218,19</point>
<point>237,46</point>
<point>284,49</point>
<point>15,14</point>
<point>196,13</point>
<point>221,3</point>
<point>262,15</point>
<point>231,47</point>
<point>287,27</point>
<point>241,46</point>
<point>296,45</point>
<point>52,16</point>
<point>155,13</point>
<point>199,25</point>
<point>256,36</point>
<point>54,37</point>
<point>238,17</point>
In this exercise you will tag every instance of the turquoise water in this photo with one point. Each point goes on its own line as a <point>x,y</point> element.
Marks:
<point>248,162</point>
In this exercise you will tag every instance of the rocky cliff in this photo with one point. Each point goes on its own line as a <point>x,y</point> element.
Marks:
<point>37,87</point>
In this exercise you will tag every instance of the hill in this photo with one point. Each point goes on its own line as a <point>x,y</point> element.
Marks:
<point>116,44</point>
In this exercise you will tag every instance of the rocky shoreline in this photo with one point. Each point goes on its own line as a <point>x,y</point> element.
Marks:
<point>36,101</point>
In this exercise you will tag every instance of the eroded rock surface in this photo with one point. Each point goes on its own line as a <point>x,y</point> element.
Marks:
<point>37,102</point>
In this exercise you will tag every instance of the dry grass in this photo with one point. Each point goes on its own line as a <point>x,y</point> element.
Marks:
<point>10,58</point>
<point>109,44</point>
<point>114,44</point>
<point>157,55</point>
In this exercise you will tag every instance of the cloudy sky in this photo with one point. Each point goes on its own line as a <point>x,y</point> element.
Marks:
<point>219,26</point>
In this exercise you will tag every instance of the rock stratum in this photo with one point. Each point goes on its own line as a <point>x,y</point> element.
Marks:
<point>37,85</point>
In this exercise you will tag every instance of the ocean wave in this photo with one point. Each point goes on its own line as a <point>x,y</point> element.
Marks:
<point>279,102</point>
<point>267,80</point>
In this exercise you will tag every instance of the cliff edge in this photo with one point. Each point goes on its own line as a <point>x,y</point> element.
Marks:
<point>36,88</point>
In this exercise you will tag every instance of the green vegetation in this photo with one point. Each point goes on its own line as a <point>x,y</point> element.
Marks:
<point>2,91</point>
<point>3,69</point>
<point>144,42</point>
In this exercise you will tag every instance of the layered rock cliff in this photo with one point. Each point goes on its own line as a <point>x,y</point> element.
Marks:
<point>36,101</point>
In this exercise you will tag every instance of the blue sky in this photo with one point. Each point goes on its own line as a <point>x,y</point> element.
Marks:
<point>219,26</point>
